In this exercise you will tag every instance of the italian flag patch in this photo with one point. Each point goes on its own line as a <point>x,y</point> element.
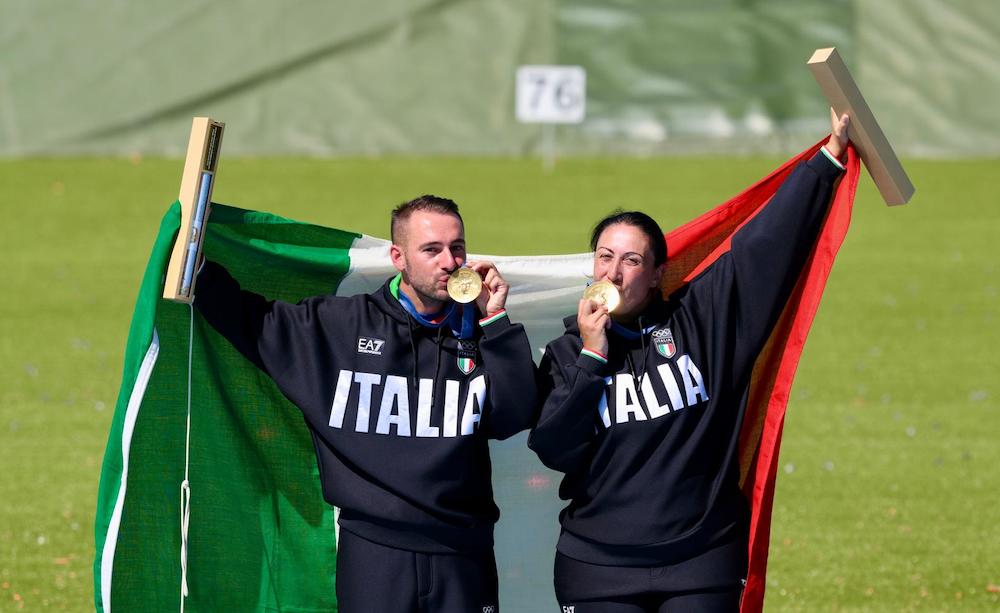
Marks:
<point>466,356</point>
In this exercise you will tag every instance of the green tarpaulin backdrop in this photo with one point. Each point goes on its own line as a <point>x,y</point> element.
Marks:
<point>350,77</point>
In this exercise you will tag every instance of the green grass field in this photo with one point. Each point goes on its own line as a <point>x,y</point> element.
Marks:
<point>888,495</point>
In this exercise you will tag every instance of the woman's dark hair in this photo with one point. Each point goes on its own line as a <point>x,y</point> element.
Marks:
<point>639,220</point>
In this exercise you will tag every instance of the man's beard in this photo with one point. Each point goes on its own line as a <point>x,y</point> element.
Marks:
<point>428,290</point>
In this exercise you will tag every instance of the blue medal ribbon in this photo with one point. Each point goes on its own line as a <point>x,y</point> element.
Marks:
<point>461,320</point>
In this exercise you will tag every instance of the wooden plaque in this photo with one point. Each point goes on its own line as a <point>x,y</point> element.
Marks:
<point>195,198</point>
<point>844,96</point>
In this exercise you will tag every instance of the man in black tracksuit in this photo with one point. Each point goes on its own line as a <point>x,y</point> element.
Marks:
<point>401,390</point>
<point>646,430</point>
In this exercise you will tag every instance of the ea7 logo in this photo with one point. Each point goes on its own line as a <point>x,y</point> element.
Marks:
<point>370,345</point>
<point>569,608</point>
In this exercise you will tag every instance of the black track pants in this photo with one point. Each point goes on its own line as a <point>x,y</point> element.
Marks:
<point>373,578</point>
<point>711,582</point>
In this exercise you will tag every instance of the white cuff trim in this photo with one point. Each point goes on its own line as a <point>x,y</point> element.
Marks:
<point>832,159</point>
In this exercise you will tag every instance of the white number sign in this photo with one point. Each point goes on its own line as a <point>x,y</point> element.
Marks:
<point>551,94</point>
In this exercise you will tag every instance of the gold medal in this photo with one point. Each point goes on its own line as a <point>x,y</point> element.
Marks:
<point>603,292</point>
<point>464,285</point>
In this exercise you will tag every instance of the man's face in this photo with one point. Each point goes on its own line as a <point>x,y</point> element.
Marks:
<point>429,247</point>
<point>625,258</point>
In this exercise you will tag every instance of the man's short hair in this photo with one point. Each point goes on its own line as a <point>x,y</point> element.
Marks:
<point>426,202</point>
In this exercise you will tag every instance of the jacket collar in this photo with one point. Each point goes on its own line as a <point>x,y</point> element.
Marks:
<point>459,318</point>
<point>655,313</point>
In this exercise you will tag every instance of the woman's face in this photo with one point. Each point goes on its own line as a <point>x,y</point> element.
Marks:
<point>624,257</point>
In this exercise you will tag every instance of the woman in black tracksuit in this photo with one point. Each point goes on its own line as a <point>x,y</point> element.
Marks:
<point>642,408</point>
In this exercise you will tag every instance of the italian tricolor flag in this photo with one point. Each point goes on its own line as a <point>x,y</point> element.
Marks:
<point>240,478</point>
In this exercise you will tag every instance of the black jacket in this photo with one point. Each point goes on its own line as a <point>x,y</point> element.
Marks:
<point>400,431</point>
<point>648,441</point>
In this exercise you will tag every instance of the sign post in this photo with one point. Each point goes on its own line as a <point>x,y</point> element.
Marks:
<point>550,95</point>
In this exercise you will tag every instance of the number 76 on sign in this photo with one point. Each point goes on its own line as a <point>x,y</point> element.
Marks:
<point>551,94</point>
